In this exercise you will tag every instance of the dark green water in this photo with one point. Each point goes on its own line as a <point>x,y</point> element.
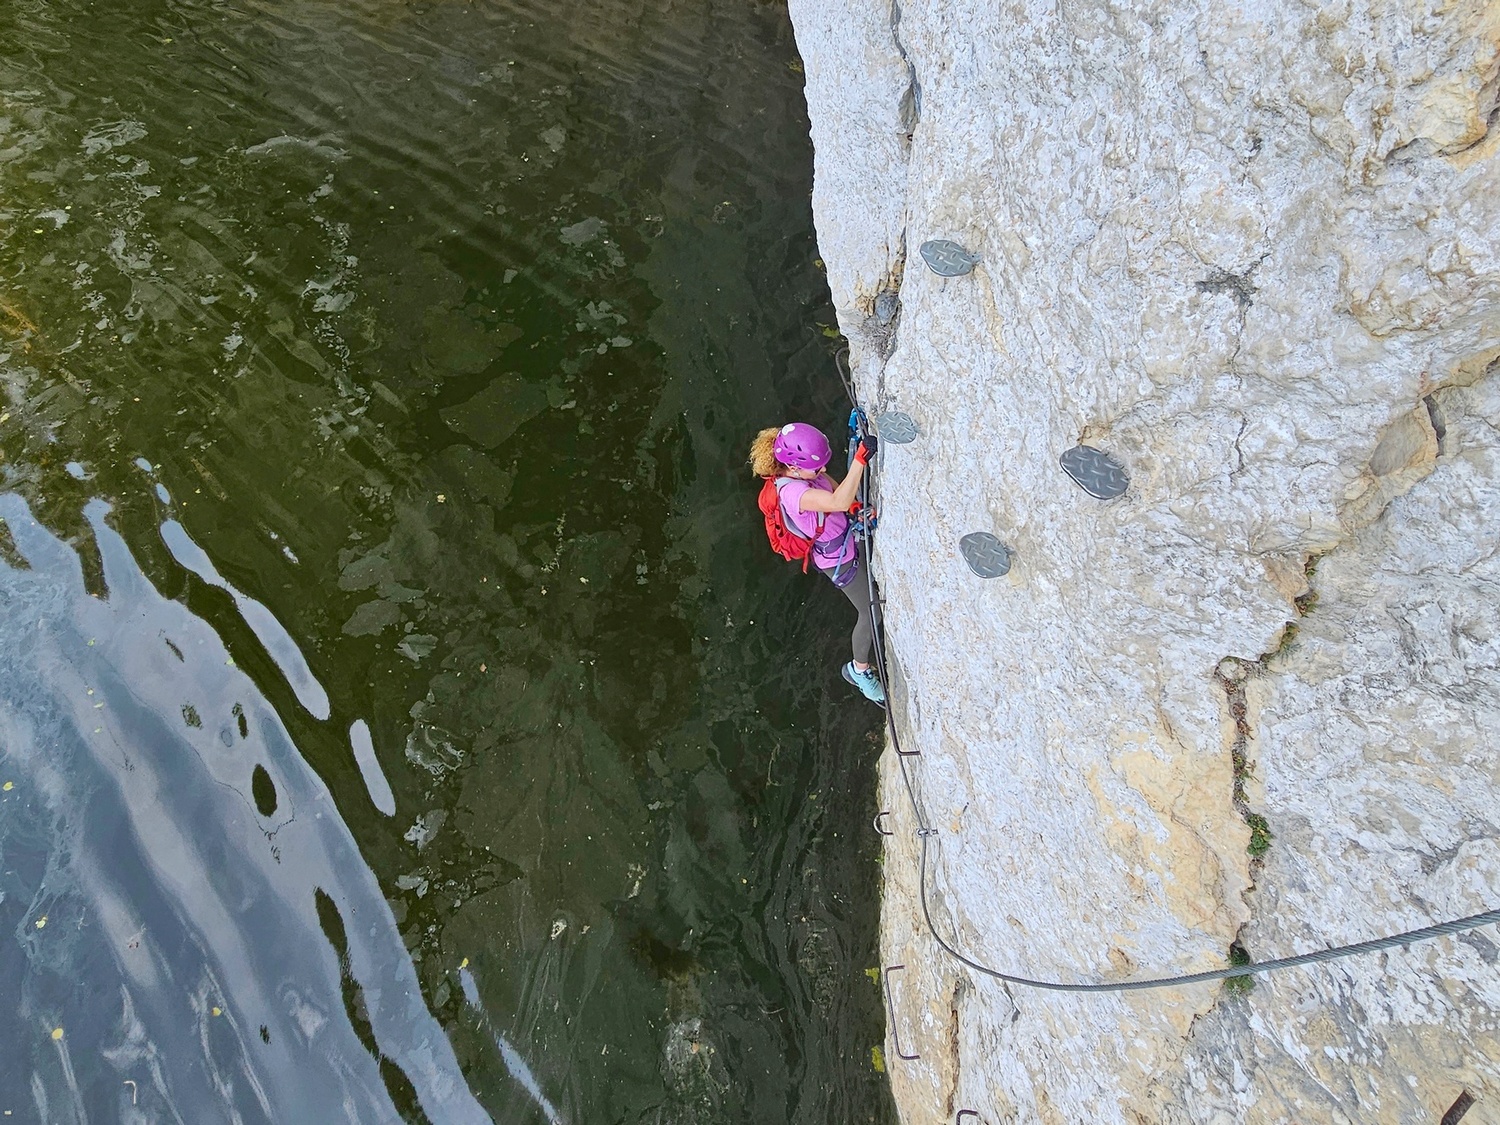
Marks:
<point>389,367</point>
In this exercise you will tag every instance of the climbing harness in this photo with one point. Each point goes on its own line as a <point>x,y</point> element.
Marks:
<point>1103,479</point>
<point>840,569</point>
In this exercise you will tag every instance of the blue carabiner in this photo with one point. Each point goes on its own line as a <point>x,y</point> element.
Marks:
<point>858,424</point>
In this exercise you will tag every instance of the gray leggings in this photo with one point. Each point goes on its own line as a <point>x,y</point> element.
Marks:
<point>857,590</point>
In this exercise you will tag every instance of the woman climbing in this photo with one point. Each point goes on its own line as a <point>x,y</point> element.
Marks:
<point>806,516</point>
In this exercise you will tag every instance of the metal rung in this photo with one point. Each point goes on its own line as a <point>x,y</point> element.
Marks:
<point>890,1004</point>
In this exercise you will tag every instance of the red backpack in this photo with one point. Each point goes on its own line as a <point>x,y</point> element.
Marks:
<point>786,541</point>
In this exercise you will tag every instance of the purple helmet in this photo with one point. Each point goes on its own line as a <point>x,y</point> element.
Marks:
<point>802,446</point>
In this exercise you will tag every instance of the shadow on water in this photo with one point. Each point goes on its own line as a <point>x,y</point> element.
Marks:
<point>375,381</point>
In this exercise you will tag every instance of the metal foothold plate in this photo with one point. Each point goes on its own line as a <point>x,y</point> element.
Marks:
<point>1095,471</point>
<point>985,554</point>
<point>896,428</point>
<point>948,259</point>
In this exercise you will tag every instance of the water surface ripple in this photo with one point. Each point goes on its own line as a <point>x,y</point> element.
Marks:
<point>402,716</point>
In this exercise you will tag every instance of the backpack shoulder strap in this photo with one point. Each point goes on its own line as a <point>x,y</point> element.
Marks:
<point>792,524</point>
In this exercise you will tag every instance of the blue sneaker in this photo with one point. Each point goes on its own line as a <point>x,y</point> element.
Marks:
<point>867,682</point>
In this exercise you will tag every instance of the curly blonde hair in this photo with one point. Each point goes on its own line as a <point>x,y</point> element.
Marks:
<point>763,461</point>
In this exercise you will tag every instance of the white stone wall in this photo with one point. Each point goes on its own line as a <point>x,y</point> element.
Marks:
<point>1254,251</point>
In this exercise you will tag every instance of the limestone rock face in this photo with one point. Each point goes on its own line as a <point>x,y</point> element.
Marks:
<point>1253,251</point>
